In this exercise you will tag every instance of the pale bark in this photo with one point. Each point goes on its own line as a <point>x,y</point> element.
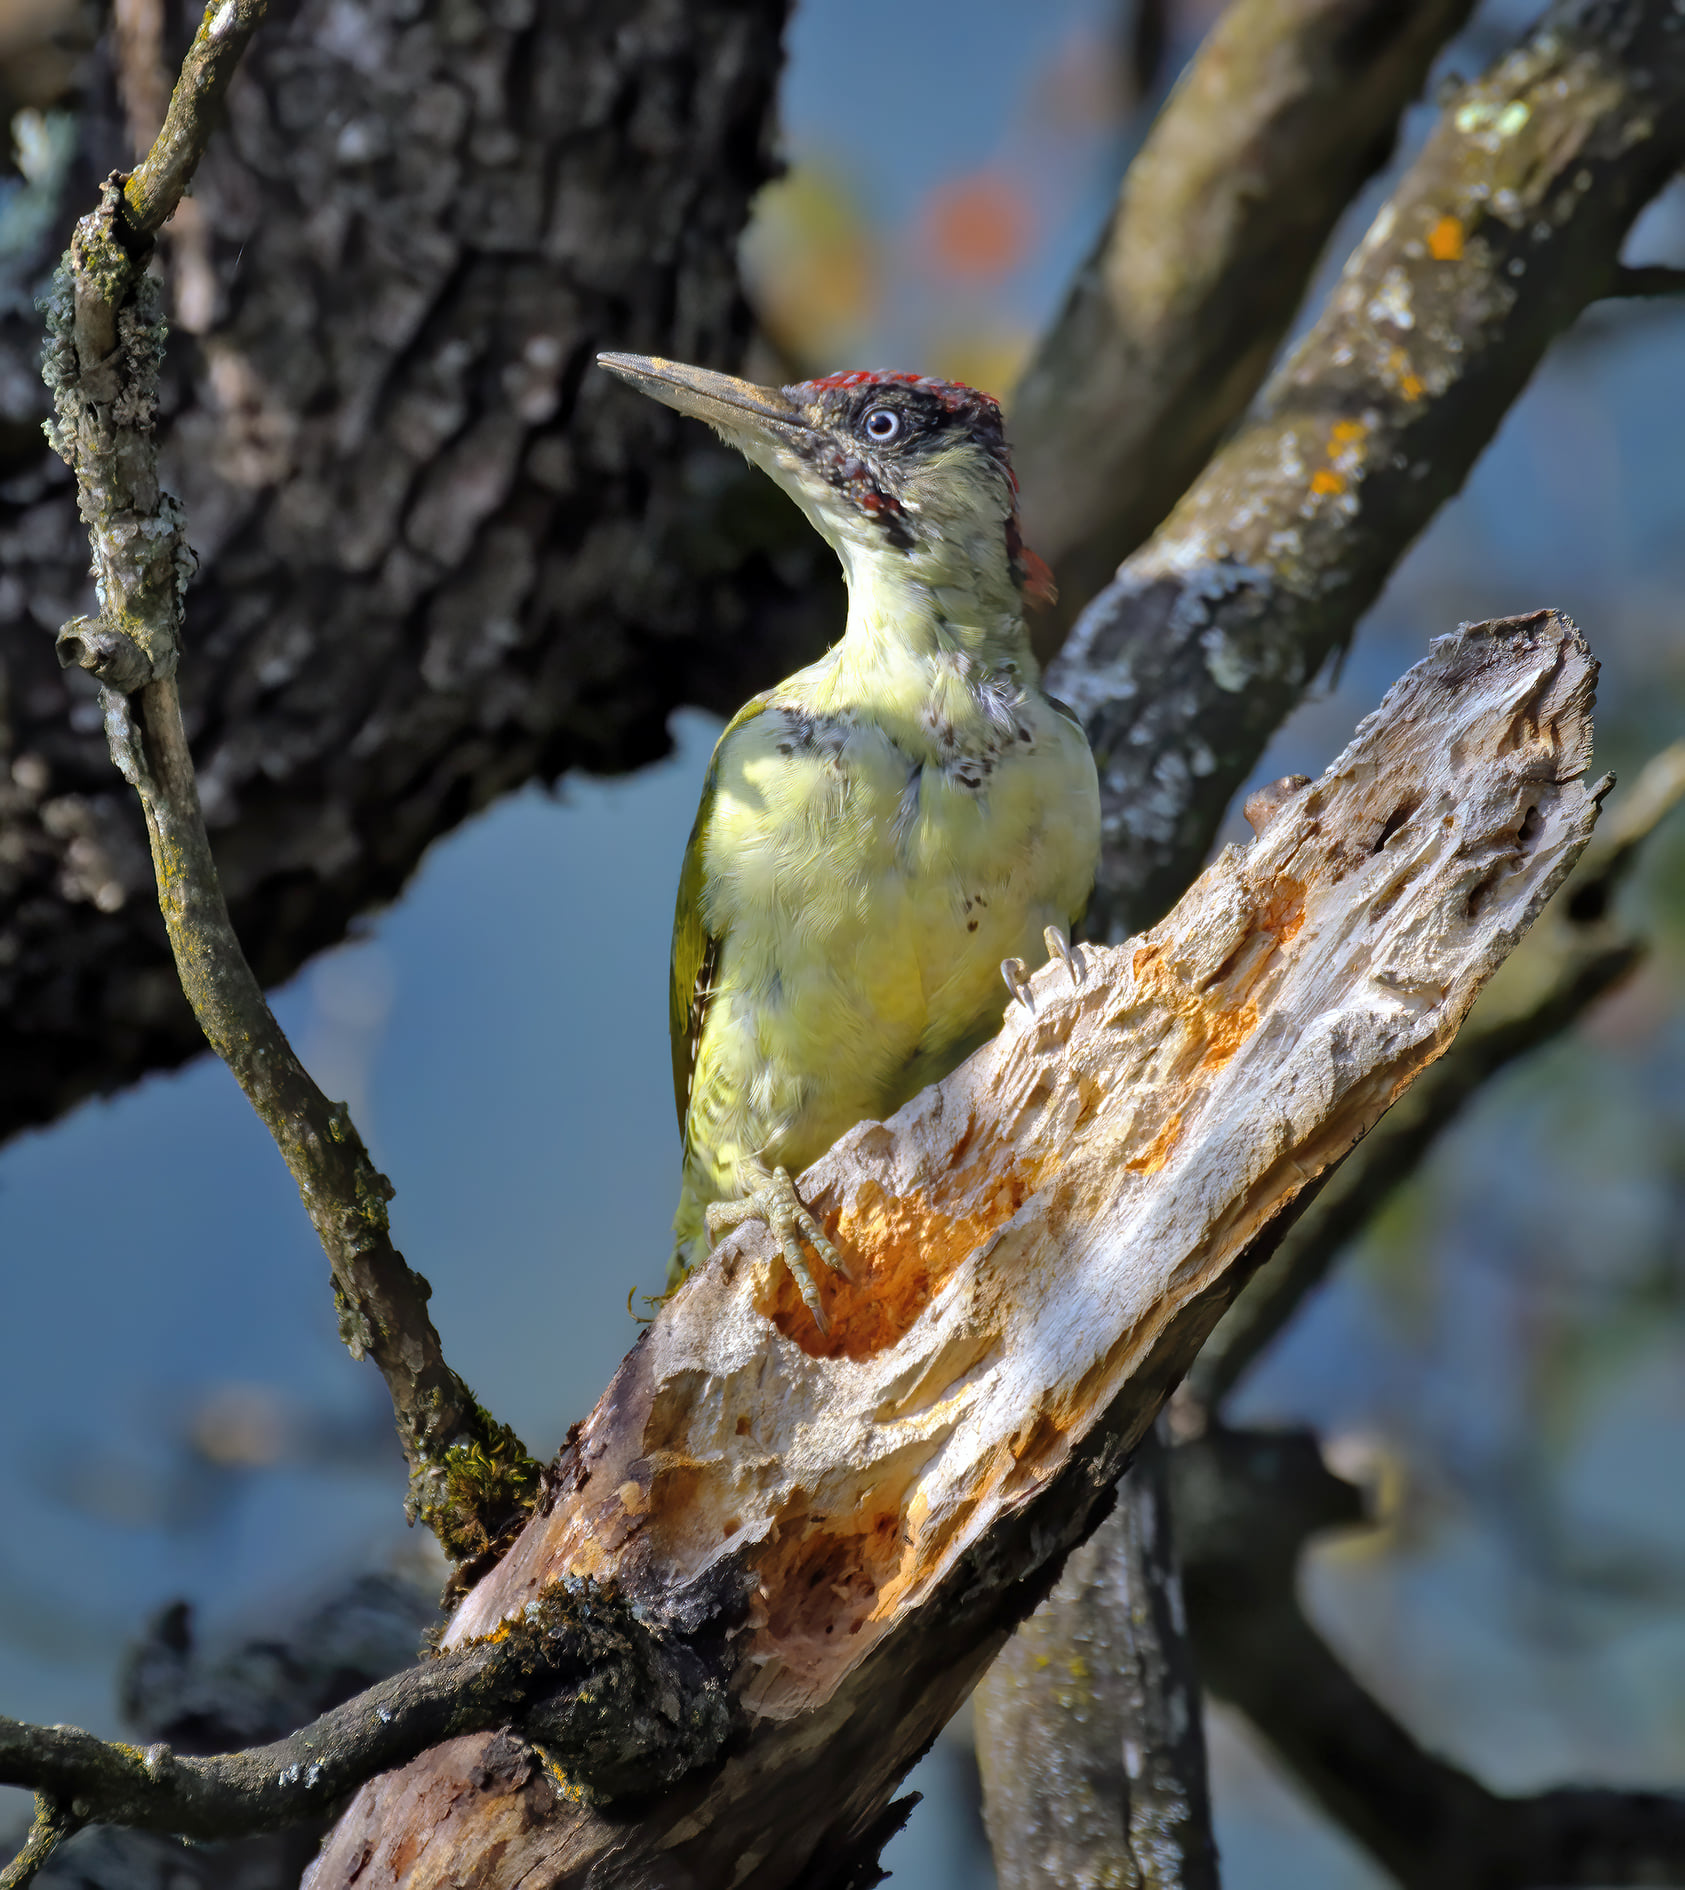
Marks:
<point>1041,1243</point>
<point>1577,953</point>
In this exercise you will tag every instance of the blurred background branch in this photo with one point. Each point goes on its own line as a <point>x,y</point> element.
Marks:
<point>1286,110</point>
<point>1508,224</point>
<point>1245,1503</point>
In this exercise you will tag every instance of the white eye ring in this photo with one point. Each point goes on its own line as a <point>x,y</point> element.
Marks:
<point>882,425</point>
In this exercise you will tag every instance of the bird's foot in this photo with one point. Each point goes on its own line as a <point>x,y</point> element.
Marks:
<point>777,1204</point>
<point>1070,956</point>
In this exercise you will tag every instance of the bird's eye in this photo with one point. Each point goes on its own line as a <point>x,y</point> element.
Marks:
<point>882,425</point>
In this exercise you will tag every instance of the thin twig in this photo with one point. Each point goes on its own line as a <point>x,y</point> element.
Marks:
<point>471,1479</point>
<point>54,1821</point>
<point>159,181</point>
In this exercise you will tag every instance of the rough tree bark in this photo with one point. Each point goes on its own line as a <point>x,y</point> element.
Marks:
<point>1042,1242</point>
<point>1089,1725</point>
<point>1504,229</point>
<point>435,558</point>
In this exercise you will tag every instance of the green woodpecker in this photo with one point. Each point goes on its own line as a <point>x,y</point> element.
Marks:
<point>882,830</point>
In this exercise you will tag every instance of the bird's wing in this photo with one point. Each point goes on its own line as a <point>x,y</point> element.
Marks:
<point>696,950</point>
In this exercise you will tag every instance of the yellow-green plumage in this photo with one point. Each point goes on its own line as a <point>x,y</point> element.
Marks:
<point>879,831</point>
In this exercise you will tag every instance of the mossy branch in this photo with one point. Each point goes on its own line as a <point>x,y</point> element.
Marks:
<point>600,1703</point>
<point>471,1480</point>
<point>1505,228</point>
<point>1170,326</point>
<point>53,1822</point>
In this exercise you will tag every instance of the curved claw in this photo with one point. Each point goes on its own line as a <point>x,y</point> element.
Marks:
<point>1017,976</point>
<point>782,1209</point>
<point>1069,956</point>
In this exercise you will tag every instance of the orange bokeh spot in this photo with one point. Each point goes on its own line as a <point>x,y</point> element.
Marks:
<point>1445,240</point>
<point>976,226</point>
<point>1327,483</point>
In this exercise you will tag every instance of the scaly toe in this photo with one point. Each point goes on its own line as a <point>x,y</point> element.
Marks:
<point>787,1218</point>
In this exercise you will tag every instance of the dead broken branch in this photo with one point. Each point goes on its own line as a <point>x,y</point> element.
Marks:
<point>1041,1243</point>
<point>1569,960</point>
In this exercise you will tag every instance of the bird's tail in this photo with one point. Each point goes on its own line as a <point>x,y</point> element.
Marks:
<point>690,1236</point>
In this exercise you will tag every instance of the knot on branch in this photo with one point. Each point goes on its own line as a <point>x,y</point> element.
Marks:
<point>117,660</point>
<point>638,1707</point>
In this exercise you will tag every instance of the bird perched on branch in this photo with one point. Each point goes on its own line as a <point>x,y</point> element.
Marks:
<point>882,830</point>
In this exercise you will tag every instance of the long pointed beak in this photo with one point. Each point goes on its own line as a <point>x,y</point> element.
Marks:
<point>740,410</point>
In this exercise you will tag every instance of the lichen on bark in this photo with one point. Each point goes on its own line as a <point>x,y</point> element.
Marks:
<point>1505,227</point>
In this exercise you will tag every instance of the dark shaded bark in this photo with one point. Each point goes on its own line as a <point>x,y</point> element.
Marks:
<point>1089,1734</point>
<point>1508,224</point>
<point>438,556</point>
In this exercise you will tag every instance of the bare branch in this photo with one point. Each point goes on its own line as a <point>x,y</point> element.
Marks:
<point>161,179</point>
<point>1648,279</point>
<point>1040,1244</point>
<point>53,1823</point>
<point>1089,1731</point>
<point>470,1478</point>
<point>1565,964</point>
<point>1172,323</point>
<point>1245,1502</point>
<point>615,1707</point>
<point>1507,225</point>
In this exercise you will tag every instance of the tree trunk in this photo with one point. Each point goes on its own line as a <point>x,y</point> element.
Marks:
<point>1090,1736</point>
<point>438,553</point>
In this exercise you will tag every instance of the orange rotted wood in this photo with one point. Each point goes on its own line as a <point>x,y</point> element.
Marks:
<point>1039,1245</point>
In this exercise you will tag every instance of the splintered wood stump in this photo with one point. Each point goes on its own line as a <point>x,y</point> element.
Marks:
<point>1040,1245</point>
